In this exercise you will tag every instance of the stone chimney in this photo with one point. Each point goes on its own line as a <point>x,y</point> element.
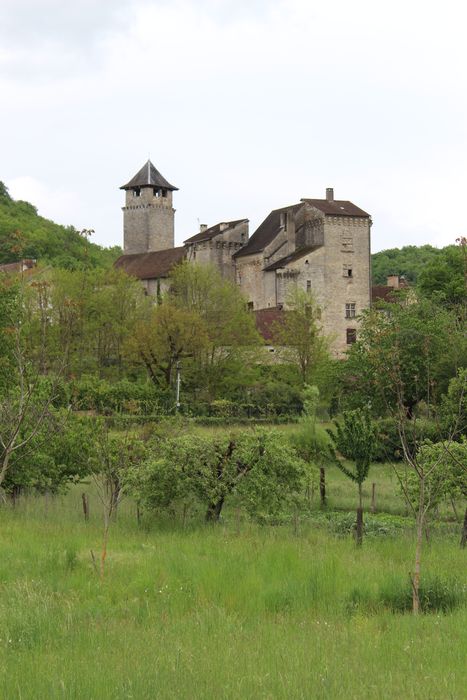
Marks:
<point>223,226</point>
<point>393,281</point>
<point>330,194</point>
<point>202,228</point>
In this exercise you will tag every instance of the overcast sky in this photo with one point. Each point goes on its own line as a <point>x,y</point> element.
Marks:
<point>245,106</point>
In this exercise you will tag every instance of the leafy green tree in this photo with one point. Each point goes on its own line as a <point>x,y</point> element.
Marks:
<point>355,439</point>
<point>168,335</point>
<point>300,333</point>
<point>227,358</point>
<point>404,354</point>
<point>260,469</point>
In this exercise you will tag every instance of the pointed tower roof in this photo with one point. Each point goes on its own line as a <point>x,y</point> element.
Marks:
<point>148,176</point>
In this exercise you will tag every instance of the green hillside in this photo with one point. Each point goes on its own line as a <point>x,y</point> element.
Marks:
<point>411,260</point>
<point>25,234</point>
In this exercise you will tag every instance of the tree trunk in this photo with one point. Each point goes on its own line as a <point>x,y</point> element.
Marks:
<point>105,539</point>
<point>373,498</point>
<point>322,486</point>
<point>464,531</point>
<point>359,525</point>
<point>85,501</point>
<point>214,510</point>
<point>418,549</point>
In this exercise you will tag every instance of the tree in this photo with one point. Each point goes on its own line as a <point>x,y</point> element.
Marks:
<point>26,404</point>
<point>311,440</point>
<point>114,456</point>
<point>403,356</point>
<point>168,335</point>
<point>260,469</point>
<point>442,474</point>
<point>405,353</point>
<point>300,333</point>
<point>230,328</point>
<point>354,439</point>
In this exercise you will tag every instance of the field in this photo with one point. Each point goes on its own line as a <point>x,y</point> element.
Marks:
<point>229,611</point>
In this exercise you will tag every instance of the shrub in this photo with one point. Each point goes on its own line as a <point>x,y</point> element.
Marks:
<point>388,445</point>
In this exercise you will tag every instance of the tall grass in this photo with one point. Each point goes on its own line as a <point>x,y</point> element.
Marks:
<point>219,612</point>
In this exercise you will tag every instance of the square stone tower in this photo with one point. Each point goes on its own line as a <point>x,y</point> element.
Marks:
<point>148,214</point>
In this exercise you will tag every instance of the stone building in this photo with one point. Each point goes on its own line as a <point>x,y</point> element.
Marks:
<point>319,245</point>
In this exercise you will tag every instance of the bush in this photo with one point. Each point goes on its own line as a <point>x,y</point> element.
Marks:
<point>388,445</point>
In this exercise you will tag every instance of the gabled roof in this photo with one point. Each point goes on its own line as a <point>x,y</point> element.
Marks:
<point>337,207</point>
<point>213,231</point>
<point>147,266</point>
<point>266,232</point>
<point>148,176</point>
<point>296,255</point>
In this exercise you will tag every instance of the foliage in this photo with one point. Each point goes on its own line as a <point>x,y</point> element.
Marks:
<point>404,354</point>
<point>258,468</point>
<point>354,438</point>
<point>388,448</point>
<point>25,234</point>
<point>168,335</point>
<point>60,455</point>
<point>445,467</point>
<point>227,360</point>
<point>300,333</point>
<point>83,317</point>
<point>409,261</point>
<point>453,410</point>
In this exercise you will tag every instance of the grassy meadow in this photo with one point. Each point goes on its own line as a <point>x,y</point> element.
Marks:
<point>235,610</point>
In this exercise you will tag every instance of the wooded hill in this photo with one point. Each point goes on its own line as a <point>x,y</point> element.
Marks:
<point>25,234</point>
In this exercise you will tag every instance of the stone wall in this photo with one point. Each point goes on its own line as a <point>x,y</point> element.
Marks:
<point>148,221</point>
<point>346,275</point>
<point>218,251</point>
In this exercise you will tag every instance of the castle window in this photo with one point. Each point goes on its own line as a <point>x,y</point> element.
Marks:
<point>157,192</point>
<point>164,193</point>
<point>308,286</point>
<point>284,220</point>
<point>250,306</point>
<point>137,192</point>
<point>350,310</point>
<point>347,271</point>
<point>351,335</point>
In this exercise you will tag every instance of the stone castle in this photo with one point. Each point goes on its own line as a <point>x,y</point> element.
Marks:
<point>320,245</point>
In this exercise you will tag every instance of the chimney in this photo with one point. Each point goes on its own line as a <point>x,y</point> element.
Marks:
<point>202,228</point>
<point>329,194</point>
<point>223,226</point>
<point>393,281</point>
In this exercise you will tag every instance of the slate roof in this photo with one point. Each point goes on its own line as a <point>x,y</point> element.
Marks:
<point>337,207</point>
<point>146,266</point>
<point>296,255</point>
<point>266,232</point>
<point>148,176</point>
<point>213,231</point>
